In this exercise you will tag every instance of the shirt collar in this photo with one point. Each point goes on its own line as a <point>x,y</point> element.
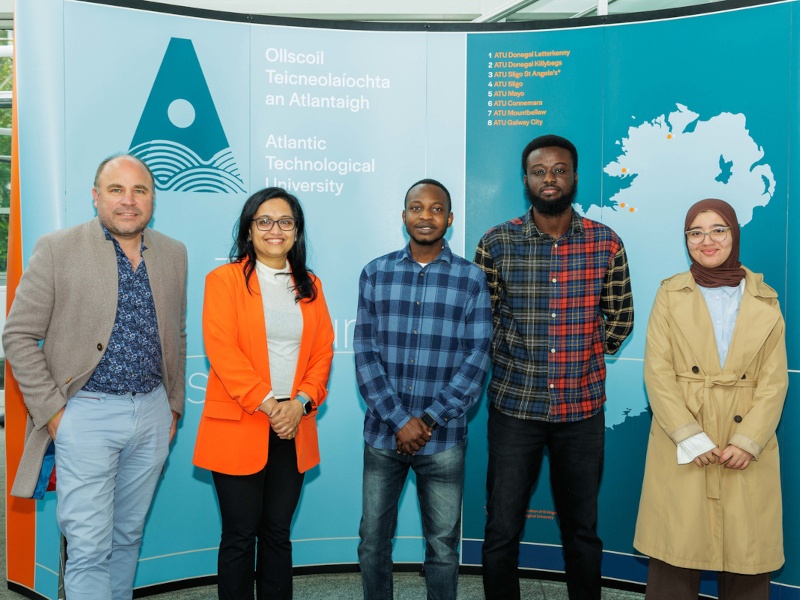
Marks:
<point>531,230</point>
<point>445,255</point>
<point>265,270</point>
<point>111,238</point>
<point>729,290</point>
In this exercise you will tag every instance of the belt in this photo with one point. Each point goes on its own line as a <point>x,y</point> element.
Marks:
<point>699,405</point>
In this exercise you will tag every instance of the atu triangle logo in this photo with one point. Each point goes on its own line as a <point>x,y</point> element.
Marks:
<point>180,136</point>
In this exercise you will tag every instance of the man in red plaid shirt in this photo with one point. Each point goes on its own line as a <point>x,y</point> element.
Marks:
<point>561,299</point>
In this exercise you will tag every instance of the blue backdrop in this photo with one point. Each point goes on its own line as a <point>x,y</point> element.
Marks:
<point>664,111</point>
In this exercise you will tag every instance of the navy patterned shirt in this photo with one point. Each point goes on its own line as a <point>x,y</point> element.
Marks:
<point>421,343</point>
<point>132,360</point>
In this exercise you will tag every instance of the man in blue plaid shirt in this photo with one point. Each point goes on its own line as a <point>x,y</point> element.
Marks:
<point>561,298</point>
<point>421,343</point>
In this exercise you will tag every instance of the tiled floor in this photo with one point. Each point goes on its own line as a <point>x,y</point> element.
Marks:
<point>407,586</point>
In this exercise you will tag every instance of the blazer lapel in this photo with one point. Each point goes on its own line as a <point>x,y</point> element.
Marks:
<point>257,326</point>
<point>308,310</point>
<point>107,272</point>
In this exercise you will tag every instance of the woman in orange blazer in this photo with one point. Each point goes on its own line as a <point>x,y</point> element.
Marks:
<point>269,339</point>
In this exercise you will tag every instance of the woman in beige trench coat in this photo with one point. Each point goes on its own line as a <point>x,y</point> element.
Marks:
<point>711,498</point>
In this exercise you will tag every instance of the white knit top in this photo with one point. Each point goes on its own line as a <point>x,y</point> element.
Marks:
<point>284,322</point>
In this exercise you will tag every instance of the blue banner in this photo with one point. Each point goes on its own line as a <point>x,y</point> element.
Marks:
<point>663,113</point>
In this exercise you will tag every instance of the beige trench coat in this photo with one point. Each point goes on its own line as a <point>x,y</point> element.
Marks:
<point>713,518</point>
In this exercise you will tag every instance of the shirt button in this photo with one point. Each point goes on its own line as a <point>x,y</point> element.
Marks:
<point>695,370</point>
<point>555,280</point>
<point>409,388</point>
<point>99,346</point>
<point>555,245</point>
<point>418,302</point>
<point>412,361</point>
<point>552,386</point>
<point>553,315</point>
<point>415,332</point>
<point>737,419</point>
<point>552,350</point>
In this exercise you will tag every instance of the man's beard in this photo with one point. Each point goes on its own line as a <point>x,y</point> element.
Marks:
<point>551,208</point>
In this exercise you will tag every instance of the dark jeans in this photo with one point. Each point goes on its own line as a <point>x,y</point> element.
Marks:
<point>440,483</point>
<point>258,506</point>
<point>576,462</point>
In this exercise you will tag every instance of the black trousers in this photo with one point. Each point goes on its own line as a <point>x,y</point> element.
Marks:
<point>666,582</point>
<point>258,507</point>
<point>576,451</point>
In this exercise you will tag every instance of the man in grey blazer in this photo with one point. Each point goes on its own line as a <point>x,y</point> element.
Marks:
<point>107,299</point>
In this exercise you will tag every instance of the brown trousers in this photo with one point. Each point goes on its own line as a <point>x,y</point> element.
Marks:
<point>665,582</point>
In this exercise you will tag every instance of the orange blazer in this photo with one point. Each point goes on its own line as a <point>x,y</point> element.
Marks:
<point>233,436</point>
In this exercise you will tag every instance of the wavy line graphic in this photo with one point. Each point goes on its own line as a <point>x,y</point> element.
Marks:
<point>179,169</point>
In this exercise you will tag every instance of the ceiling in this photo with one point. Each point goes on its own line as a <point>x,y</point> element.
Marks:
<point>430,11</point>
<point>434,10</point>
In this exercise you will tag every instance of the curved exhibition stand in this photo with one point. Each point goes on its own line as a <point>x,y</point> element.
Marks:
<point>665,108</point>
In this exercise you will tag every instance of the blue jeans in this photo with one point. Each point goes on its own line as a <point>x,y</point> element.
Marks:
<point>576,463</point>
<point>440,484</point>
<point>109,454</point>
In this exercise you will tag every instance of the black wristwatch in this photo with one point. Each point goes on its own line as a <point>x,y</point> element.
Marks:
<point>429,420</point>
<point>308,405</point>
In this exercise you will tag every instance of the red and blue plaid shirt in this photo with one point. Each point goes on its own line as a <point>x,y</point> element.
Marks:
<point>558,305</point>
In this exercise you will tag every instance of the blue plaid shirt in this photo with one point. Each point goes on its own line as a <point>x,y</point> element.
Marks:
<point>422,343</point>
<point>132,360</point>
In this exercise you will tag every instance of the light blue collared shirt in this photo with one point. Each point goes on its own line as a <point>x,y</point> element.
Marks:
<point>723,305</point>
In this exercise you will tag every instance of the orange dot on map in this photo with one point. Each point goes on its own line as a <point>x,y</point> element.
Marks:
<point>624,170</point>
<point>669,136</point>
<point>622,205</point>
<point>632,209</point>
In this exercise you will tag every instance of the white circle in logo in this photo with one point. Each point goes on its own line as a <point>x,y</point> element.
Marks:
<point>181,113</point>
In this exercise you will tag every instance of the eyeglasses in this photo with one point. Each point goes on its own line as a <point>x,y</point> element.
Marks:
<point>265,223</point>
<point>718,234</point>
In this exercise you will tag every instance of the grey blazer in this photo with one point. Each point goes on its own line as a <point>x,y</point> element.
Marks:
<point>67,297</point>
